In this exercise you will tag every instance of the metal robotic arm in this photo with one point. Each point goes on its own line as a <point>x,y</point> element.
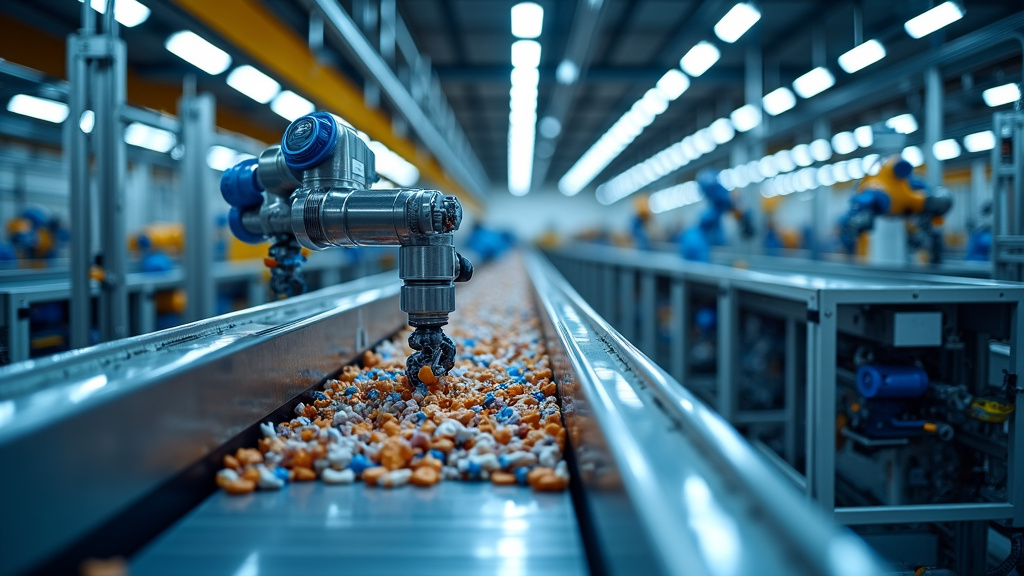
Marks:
<point>313,191</point>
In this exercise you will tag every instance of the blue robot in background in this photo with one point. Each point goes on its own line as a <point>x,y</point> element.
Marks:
<point>697,241</point>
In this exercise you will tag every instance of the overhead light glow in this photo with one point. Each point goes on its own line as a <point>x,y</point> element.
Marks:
<point>527,20</point>
<point>814,82</point>
<point>938,17</point>
<point>736,22</point>
<point>871,164</point>
<point>980,141</point>
<point>699,58</point>
<point>722,131</point>
<point>38,108</point>
<point>820,150</point>
<point>221,158</point>
<point>913,155</point>
<point>392,166</point>
<point>745,117</point>
<point>904,123</point>
<point>865,136</point>
<point>567,73</point>
<point>253,83</point>
<point>704,141</point>
<point>1000,95</point>
<point>801,155</point>
<point>673,83</point>
<point>778,101</point>
<point>128,13</point>
<point>87,122</point>
<point>198,52</point>
<point>290,105</point>
<point>675,197</point>
<point>767,167</point>
<point>525,54</point>
<point>826,175</point>
<point>946,149</point>
<point>144,136</point>
<point>784,161</point>
<point>549,127</point>
<point>844,143</point>
<point>862,56</point>
<point>654,102</point>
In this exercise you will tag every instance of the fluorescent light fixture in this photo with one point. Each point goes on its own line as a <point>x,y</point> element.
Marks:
<point>527,20</point>
<point>87,122</point>
<point>736,22</point>
<point>801,155</point>
<point>865,136</point>
<point>689,147</point>
<point>673,83</point>
<point>778,101</point>
<point>754,172</point>
<point>904,123</point>
<point>703,140</point>
<point>938,17</point>
<point>1000,95</point>
<point>746,117</point>
<point>253,83</point>
<point>871,164</point>
<point>128,13</point>
<point>856,169</point>
<point>980,141</point>
<point>700,58</point>
<point>820,150</point>
<point>144,136</point>
<point>767,167</point>
<point>722,131</point>
<point>567,72</point>
<point>654,101</point>
<point>913,155</point>
<point>392,166</point>
<point>862,56</point>
<point>221,158</point>
<point>840,171</point>
<point>814,82</point>
<point>844,143</point>
<point>826,175</point>
<point>946,149</point>
<point>784,162</point>
<point>525,54</point>
<point>198,52</point>
<point>38,108</point>
<point>549,127</point>
<point>290,105</point>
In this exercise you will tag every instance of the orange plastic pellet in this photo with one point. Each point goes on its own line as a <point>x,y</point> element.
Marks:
<point>550,483</point>
<point>442,444</point>
<point>395,454</point>
<point>425,476</point>
<point>537,473</point>
<point>371,475</point>
<point>248,456</point>
<point>251,474</point>
<point>239,486</point>
<point>503,478</point>
<point>303,474</point>
<point>231,462</point>
<point>426,375</point>
<point>503,435</point>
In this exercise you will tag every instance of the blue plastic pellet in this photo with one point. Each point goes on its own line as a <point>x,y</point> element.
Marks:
<point>419,416</point>
<point>394,397</point>
<point>373,394</point>
<point>521,473</point>
<point>359,463</point>
<point>469,342</point>
<point>489,399</point>
<point>473,469</point>
<point>439,455</point>
<point>281,473</point>
<point>351,390</point>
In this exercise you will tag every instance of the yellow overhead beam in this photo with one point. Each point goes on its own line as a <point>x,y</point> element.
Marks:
<point>282,53</point>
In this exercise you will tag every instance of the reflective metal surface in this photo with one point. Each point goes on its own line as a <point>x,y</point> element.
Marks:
<point>453,528</point>
<point>669,486</point>
<point>91,432</point>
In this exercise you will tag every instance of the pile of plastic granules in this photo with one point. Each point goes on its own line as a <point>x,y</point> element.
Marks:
<point>493,418</point>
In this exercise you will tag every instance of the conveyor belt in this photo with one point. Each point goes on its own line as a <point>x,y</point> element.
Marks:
<point>661,484</point>
<point>452,528</point>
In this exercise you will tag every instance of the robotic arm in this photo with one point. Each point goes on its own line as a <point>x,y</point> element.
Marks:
<point>313,191</point>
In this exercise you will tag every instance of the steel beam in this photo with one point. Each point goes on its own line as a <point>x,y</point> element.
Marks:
<point>197,127</point>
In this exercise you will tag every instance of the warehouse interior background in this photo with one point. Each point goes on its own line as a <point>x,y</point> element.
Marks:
<point>805,218</point>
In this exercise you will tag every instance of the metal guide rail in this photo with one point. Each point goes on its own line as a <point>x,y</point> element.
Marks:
<point>133,432</point>
<point>777,353</point>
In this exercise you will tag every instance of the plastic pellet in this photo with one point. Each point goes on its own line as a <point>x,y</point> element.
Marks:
<point>332,476</point>
<point>493,417</point>
<point>239,486</point>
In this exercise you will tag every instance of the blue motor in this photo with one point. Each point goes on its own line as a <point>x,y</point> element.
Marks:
<point>875,381</point>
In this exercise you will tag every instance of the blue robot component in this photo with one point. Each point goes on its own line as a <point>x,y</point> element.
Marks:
<point>889,392</point>
<point>315,192</point>
<point>697,241</point>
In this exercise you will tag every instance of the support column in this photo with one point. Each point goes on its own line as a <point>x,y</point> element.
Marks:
<point>76,158</point>
<point>932,124</point>
<point>821,227</point>
<point>197,128</point>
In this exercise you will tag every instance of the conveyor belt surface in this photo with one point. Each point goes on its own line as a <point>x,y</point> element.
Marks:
<point>452,528</point>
